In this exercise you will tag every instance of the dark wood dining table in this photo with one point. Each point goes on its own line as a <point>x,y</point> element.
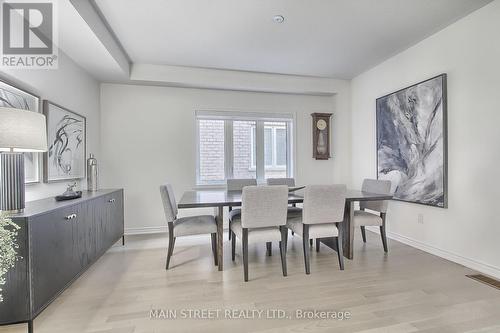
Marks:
<point>220,198</point>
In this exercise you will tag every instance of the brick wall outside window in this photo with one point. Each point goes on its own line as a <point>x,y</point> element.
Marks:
<point>211,136</point>
<point>242,149</point>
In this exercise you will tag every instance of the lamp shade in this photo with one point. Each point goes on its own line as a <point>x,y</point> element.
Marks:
<point>22,131</point>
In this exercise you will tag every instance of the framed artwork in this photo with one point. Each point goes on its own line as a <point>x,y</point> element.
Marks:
<point>17,98</point>
<point>412,142</point>
<point>66,132</point>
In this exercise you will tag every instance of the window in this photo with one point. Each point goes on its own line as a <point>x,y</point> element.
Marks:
<point>243,145</point>
<point>275,149</point>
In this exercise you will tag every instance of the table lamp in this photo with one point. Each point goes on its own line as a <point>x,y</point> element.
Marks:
<point>20,131</point>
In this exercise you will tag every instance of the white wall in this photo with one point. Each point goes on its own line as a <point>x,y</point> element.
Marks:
<point>148,138</point>
<point>69,86</point>
<point>469,52</point>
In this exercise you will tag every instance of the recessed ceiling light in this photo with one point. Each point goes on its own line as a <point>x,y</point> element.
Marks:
<point>278,19</point>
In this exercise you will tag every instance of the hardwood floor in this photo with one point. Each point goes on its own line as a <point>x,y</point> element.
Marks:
<point>404,291</point>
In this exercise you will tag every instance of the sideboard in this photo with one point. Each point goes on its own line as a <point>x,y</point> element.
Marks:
<point>58,241</point>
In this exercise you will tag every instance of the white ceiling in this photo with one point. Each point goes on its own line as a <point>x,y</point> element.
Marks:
<point>331,38</point>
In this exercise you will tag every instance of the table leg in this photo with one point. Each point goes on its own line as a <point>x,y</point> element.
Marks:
<point>220,237</point>
<point>348,230</point>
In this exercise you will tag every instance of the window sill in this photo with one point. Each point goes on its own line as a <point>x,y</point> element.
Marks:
<point>278,168</point>
<point>202,187</point>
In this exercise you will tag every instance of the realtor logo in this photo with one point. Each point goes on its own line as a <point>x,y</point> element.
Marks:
<point>28,34</point>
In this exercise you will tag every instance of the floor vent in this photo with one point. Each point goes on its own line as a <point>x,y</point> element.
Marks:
<point>486,280</point>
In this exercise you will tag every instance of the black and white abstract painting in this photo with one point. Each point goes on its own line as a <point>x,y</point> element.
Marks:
<point>13,97</point>
<point>65,158</point>
<point>412,142</point>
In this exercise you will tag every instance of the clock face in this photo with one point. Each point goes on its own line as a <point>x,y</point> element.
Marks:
<point>321,124</point>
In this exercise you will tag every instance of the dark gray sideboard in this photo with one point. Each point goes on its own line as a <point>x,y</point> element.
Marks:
<point>58,241</point>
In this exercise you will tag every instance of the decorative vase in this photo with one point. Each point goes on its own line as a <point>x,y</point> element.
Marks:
<point>91,173</point>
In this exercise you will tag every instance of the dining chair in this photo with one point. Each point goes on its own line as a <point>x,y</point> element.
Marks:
<point>322,216</point>
<point>185,226</point>
<point>290,182</point>
<point>262,219</point>
<point>377,209</point>
<point>237,185</point>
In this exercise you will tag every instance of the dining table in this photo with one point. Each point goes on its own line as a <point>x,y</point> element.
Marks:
<point>220,198</point>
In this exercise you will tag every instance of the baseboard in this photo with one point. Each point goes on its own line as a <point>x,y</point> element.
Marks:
<point>459,259</point>
<point>145,230</point>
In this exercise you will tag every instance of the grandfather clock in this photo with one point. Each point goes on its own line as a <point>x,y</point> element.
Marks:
<point>321,135</point>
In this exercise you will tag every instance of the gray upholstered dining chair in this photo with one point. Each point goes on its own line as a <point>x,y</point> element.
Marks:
<point>322,216</point>
<point>237,185</point>
<point>290,182</point>
<point>185,226</point>
<point>377,209</point>
<point>262,219</point>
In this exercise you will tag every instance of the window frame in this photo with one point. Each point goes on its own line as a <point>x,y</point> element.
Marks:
<point>260,118</point>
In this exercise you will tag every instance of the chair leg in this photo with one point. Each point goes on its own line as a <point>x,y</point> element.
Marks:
<point>305,240</point>
<point>269,246</point>
<point>284,236</point>
<point>171,243</point>
<point>244,242</point>
<point>383,232</point>
<point>384,238</point>
<point>340,247</point>
<point>214,247</point>
<point>233,245</point>
<point>317,244</point>
<point>229,224</point>
<point>363,234</point>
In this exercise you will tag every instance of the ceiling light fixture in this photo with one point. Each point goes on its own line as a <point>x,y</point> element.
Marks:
<point>278,19</point>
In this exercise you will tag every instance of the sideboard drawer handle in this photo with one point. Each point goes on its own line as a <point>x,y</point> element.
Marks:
<point>70,217</point>
<point>111,200</point>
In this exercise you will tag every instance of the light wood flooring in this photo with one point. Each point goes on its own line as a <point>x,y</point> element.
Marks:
<point>405,291</point>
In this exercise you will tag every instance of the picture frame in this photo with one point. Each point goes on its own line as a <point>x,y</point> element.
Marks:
<point>412,142</point>
<point>15,97</point>
<point>67,135</point>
